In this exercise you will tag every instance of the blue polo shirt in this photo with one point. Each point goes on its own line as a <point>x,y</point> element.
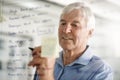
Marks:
<point>86,67</point>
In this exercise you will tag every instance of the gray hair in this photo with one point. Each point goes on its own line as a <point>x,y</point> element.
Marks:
<point>87,12</point>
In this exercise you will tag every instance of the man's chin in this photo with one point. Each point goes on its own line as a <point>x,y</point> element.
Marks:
<point>67,48</point>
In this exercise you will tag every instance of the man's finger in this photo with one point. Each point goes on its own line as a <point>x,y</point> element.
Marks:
<point>36,61</point>
<point>36,51</point>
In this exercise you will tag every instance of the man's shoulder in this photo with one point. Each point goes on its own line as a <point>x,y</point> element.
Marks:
<point>100,63</point>
<point>101,69</point>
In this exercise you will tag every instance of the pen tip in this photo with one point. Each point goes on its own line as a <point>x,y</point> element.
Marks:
<point>31,48</point>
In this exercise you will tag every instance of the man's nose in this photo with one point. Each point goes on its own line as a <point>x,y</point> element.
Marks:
<point>67,29</point>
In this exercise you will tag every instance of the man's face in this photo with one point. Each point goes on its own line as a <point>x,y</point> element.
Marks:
<point>73,31</point>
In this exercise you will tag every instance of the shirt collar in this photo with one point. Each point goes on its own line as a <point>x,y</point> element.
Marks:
<point>83,59</point>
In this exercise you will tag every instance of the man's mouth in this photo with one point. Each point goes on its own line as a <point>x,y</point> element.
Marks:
<point>66,38</point>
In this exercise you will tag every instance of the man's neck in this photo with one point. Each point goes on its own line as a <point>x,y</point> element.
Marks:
<point>70,56</point>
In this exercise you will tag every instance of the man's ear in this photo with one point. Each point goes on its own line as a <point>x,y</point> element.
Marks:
<point>91,31</point>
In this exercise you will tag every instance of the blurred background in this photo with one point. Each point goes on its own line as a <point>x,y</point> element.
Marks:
<point>24,22</point>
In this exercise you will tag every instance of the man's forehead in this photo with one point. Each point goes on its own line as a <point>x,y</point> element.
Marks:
<point>74,21</point>
<point>74,14</point>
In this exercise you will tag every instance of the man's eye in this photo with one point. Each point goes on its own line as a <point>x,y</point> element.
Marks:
<point>74,25</point>
<point>62,23</point>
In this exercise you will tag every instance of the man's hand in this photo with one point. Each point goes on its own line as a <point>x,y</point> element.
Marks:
<point>44,65</point>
